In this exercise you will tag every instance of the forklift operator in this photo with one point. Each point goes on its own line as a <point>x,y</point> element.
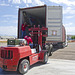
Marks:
<point>29,40</point>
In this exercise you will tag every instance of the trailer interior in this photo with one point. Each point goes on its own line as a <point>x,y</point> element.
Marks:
<point>32,16</point>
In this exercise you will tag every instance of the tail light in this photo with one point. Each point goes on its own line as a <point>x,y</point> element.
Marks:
<point>6,54</point>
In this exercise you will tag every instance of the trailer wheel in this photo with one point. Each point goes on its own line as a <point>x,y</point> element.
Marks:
<point>63,45</point>
<point>50,52</point>
<point>24,66</point>
<point>45,57</point>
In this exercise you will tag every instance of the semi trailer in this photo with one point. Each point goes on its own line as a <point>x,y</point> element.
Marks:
<point>45,16</point>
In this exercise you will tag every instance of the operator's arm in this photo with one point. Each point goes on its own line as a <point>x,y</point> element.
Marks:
<point>31,41</point>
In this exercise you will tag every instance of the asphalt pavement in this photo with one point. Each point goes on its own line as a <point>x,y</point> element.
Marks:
<point>67,53</point>
<point>53,67</point>
<point>62,62</point>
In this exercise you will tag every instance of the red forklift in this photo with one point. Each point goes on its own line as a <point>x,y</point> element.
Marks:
<point>18,58</point>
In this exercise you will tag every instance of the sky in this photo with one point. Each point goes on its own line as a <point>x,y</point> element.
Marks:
<point>9,14</point>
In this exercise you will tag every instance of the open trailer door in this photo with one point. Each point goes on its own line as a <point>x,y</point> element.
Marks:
<point>54,23</point>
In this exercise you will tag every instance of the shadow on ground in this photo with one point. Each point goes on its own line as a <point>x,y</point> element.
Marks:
<point>2,72</point>
<point>56,48</point>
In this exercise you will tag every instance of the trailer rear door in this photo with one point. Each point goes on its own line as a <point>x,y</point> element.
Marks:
<point>54,23</point>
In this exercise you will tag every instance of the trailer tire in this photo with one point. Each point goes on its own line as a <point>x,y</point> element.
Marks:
<point>50,52</point>
<point>45,58</point>
<point>50,49</point>
<point>63,45</point>
<point>23,66</point>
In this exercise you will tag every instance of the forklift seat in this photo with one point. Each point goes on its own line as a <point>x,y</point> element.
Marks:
<point>33,50</point>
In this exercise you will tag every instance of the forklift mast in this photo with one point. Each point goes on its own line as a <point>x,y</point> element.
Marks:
<point>37,35</point>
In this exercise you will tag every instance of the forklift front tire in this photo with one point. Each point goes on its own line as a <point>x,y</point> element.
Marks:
<point>45,57</point>
<point>24,66</point>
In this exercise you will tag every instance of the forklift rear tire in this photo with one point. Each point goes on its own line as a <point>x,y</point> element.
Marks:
<point>24,66</point>
<point>45,57</point>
